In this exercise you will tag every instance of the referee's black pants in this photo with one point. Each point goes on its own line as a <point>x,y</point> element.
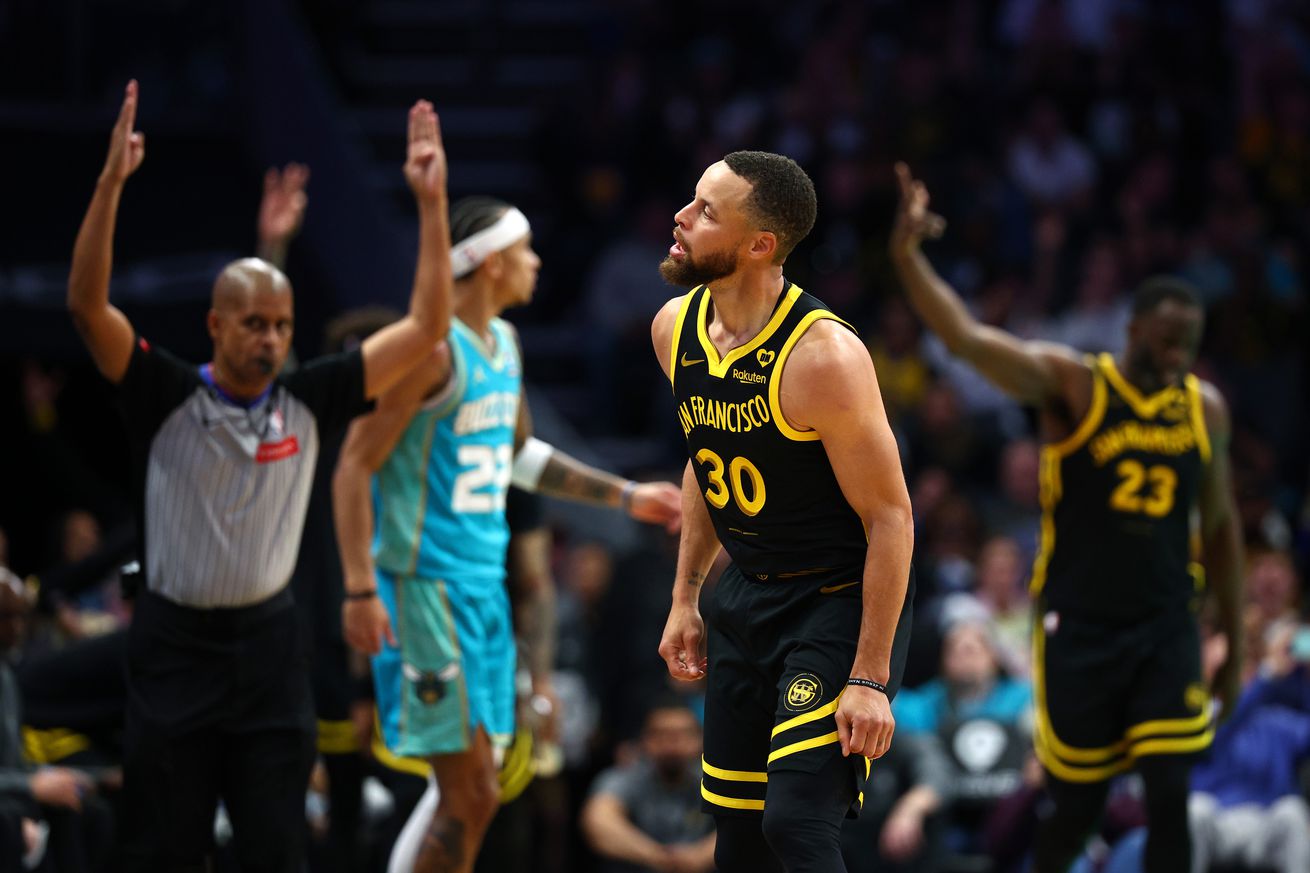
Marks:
<point>218,707</point>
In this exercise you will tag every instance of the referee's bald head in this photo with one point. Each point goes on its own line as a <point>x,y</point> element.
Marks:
<point>244,277</point>
<point>250,321</point>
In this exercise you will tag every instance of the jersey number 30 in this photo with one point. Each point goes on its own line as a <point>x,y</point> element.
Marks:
<point>1158,498</point>
<point>735,486</point>
<point>482,487</point>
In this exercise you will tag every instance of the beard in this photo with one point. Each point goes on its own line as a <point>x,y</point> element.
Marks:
<point>688,272</point>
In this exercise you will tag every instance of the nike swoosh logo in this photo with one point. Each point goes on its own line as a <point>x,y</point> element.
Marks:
<point>687,363</point>
<point>828,589</point>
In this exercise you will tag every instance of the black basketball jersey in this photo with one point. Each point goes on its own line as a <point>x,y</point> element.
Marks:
<point>1117,498</point>
<point>769,488</point>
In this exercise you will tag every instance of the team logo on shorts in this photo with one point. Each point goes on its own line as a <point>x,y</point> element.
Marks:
<point>1196,697</point>
<point>803,692</point>
<point>430,685</point>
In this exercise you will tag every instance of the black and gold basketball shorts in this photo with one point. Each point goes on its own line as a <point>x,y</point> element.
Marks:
<point>780,652</point>
<point>1109,694</point>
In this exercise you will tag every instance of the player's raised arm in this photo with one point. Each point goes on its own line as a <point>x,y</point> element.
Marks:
<point>1221,542</point>
<point>1032,372</point>
<point>104,328</point>
<point>281,211</point>
<point>829,386</point>
<point>391,352</point>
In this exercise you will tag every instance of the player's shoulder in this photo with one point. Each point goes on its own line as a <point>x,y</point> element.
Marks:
<point>663,325</point>
<point>668,313</point>
<point>1213,405</point>
<point>829,343</point>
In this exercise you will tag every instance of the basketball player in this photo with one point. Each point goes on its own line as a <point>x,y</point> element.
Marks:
<point>794,470</point>
<point>442,449</point>
<point>1132,447</point>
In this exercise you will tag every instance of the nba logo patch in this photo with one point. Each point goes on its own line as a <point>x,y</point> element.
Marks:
<point>1051,622</point>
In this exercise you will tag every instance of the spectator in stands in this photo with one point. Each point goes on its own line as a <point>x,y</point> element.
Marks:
<point>980,717</point>
<point>1273,590</point>
<point>80,825</point>
<point>1050,165</point>
<point>644,817</point>
<point>900,825</point>
<point>1247,808</point>
<point>999,598</point>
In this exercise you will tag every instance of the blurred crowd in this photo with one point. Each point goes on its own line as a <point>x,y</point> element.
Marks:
<point>1076,147</point>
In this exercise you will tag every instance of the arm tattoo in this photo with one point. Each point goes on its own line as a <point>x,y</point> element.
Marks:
<point>567,477</point>
<point>694,579</point>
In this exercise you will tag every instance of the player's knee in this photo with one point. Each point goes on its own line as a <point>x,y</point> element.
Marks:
<point>1168,783</point>
<point>739,849</point>
<point>474,799</point>
<point>798,838</point>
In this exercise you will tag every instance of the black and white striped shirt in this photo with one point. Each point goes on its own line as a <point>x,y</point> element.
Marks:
<point>225,484</point>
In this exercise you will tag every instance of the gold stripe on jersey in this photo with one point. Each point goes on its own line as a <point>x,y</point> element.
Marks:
<point>1165,736</point>
<point>1198,416</point>
<point>1171,726</point>
<point>775,378</point>
<point>389,759</point>
<point>729,802</point>
<point>1170,746</point>
<point>1048,477</point>
<point>337,737</point>
<point>1145,407</point>
<point>1091,421</point>
<point>48,745</point>
<point>733,775</point>
<point>417,537</point>
<point>677,333</point>
<point>806,718</point>
<point>803,746</point>
<point>719,368</point>
<point>1046,488</point>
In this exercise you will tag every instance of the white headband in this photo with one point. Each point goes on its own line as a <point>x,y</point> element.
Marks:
<point>467,254</point>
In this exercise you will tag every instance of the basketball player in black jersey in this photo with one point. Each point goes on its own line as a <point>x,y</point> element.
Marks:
<point>1132,447</point>
<point>794,470</point>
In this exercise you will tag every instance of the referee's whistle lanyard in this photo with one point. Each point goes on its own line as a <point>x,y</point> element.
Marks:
<point>207,376</point>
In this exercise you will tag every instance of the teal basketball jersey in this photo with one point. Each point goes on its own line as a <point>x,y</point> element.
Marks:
<point>439,499</point>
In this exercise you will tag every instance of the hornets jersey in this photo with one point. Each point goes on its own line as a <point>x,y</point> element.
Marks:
<point>1117,498</point>
<point>769,488</point>
<point>439,499</point>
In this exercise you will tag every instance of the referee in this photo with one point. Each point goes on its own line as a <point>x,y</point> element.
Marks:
<point>219,701</point>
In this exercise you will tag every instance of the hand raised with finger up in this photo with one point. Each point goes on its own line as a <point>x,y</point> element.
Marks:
<point>127,147</point>
<point>425,161</point>
<point>914,222</point>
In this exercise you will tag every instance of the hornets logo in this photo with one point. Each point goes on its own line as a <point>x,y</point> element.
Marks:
<point>430,685</point>
<point>803,692</point>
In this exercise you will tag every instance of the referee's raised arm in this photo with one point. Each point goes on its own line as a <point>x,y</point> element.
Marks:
<point>104,328</point>
<point>392,352</point>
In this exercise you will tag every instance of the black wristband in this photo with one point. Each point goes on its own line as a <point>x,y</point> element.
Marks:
<point>362,595</point>
<point>868,683</point>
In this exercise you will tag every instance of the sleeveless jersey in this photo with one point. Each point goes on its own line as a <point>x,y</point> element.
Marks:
<point>1117,498</point>
<point>769,488</point>
<point>439,499</point>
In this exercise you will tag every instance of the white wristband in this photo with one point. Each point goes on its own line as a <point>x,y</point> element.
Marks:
<point>530,463</point>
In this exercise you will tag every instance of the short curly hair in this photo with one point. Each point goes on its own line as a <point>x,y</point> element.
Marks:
<point>782,198</point>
